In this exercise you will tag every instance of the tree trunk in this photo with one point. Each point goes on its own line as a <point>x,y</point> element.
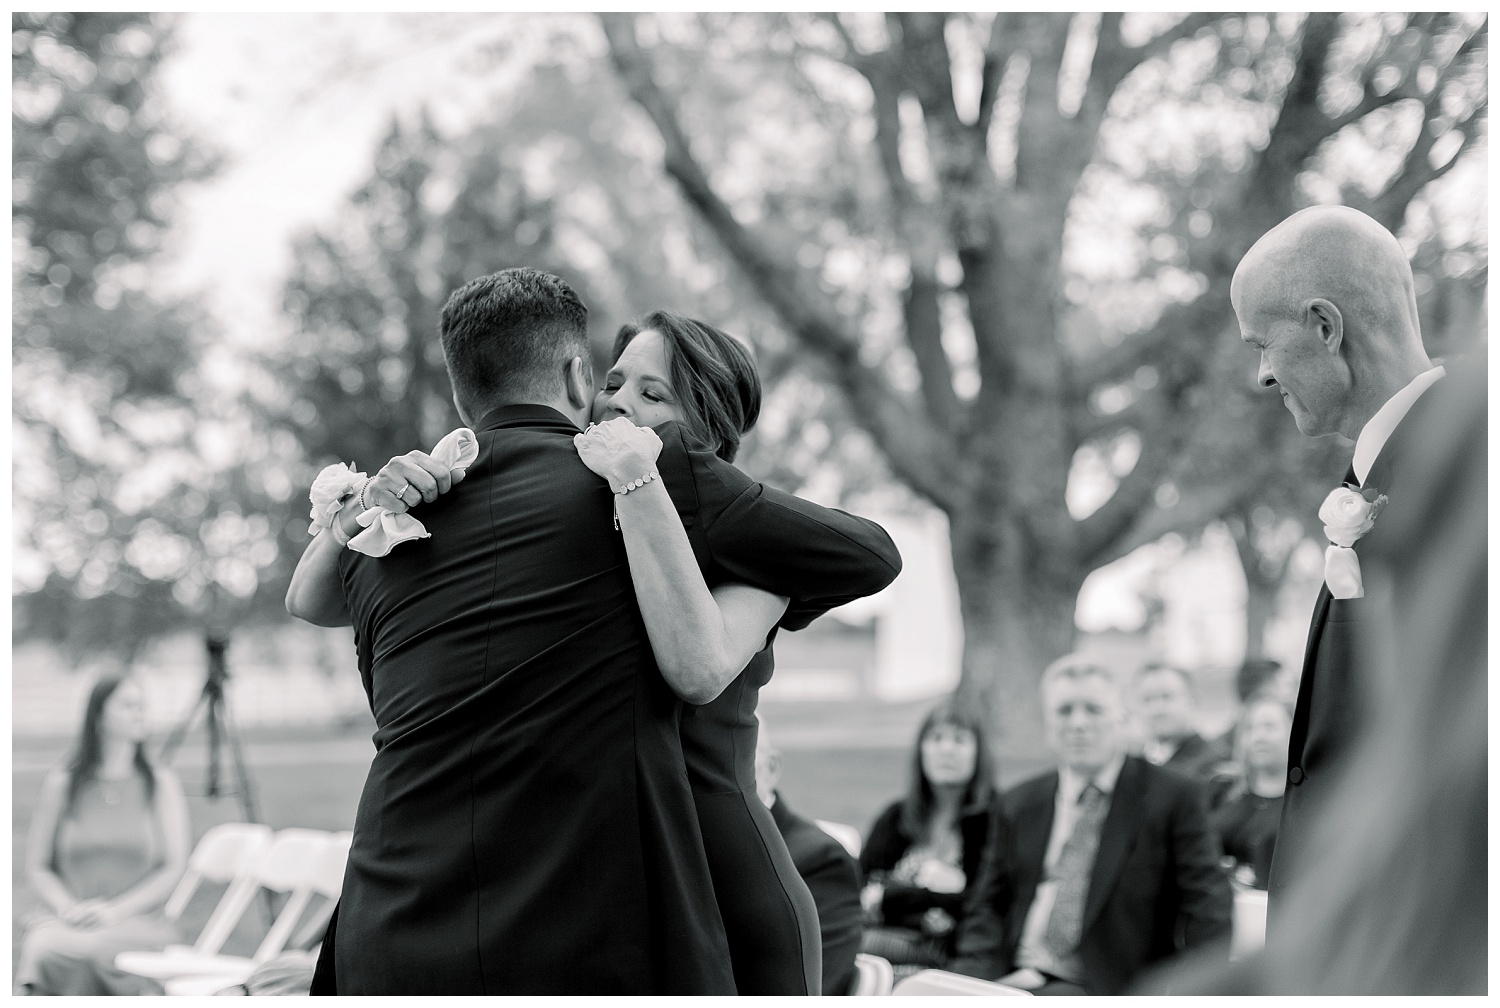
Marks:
<point>1017,612</point>
<point>1263,578</point>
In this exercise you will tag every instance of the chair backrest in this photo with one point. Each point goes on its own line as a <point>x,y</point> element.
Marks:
<point>295,863</point>
<point>1249,929</point>
<point>226,852</point>
<point>844,834</point>
<point>941,982</point>
<point>873,976</point>
<point>328,879</point>
<point>328,882</point>
<point>292,858</point>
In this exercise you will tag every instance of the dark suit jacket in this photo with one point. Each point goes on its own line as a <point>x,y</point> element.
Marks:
<point>833,878</point>
<point>903,905</point>
<point>1332,699</point>
<point>526,825</point>
<point>1156,885</point>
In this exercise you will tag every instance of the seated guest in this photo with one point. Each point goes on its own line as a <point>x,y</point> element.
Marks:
<point>1166,704</point>
<point>1100,867</point>
<point>826,867</point>
<point>923,852</point>
<point>108,842</point>
<point>1256,677</point>
<point>1247,820</point>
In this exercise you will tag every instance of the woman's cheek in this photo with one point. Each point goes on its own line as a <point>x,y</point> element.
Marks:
<point>601,403</point>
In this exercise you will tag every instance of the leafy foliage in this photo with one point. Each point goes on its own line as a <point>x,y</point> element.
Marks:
<point>1009,240</point>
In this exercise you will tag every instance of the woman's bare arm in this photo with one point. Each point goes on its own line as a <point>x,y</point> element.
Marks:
<point>40,839</point>
<point>702,639</point>
<point>316,593</point>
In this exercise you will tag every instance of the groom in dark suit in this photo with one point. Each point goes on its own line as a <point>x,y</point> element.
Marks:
<point>1328,300</point>
<point>1096,870</point>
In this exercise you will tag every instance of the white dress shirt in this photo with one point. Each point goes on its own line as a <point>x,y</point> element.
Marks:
<point>1031,951</point>
<point>1383,424</point>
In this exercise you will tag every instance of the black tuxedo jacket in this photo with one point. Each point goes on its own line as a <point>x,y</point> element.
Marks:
<point>1156,886</point>
<point>527,826</point>
<point>1332,699</point>
<point>833,878</point>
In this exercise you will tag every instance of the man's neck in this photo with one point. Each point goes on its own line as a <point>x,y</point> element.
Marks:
<point>1089,773</point>
<point>1377,388</point>
<point>579,417</point>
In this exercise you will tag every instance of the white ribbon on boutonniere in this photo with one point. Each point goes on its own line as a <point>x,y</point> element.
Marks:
<point>1347,514</point>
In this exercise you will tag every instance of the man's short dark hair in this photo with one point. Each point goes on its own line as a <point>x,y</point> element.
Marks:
<point>1254,675</point>
<point>507,336</point>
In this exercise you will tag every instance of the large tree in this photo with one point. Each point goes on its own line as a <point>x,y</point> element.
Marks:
<point>980,168</point>
<point>128,521</point>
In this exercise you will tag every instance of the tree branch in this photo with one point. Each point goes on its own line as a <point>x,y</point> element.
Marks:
<point>917,451</point>
<point>1301,126</point>
<point>920,232</point>
<point>997,53</point>
<point>927,67</point>
<point>1113,61</point>
<point>1193,510</point>
<point>1417,169</point>
<point>1040,138</point>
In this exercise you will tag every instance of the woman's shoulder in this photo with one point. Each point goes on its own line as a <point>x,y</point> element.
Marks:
<point>57,779</point>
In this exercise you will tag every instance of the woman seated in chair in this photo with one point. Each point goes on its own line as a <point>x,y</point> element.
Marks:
<point>109,841</point>
<point>1250,814</point>
<point>924,850</point>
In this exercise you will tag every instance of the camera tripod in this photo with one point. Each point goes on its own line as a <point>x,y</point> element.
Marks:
<point>219,729</point>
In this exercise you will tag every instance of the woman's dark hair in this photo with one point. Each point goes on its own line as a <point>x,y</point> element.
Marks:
<point>89,751</point>
<point>916,808</point>
<point>713,376</point>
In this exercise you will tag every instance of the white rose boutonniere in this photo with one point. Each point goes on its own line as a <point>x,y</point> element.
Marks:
<point>1347,514</point>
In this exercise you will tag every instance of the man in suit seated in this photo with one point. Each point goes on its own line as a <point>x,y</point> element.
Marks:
<point>1097,869</point>
<point>1167,706</point>
<point>827,868</point>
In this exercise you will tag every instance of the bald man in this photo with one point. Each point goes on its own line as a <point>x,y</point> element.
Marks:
<point>1327,299</point>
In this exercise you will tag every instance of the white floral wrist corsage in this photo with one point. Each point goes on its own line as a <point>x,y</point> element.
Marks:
<point>334,485</point>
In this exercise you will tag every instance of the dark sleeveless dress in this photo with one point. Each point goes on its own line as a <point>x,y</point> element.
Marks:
<point>747,533</point>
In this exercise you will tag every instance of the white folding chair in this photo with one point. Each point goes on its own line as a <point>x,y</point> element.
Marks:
<point>843,833</point>
<point>329,884</point>
<point>228,852</point>
<point>941,982</point>
<point>285,867</point>
<point>308,862</point>
<point>323,875</point>
<point>873,976</point>
<point>1249,929</point>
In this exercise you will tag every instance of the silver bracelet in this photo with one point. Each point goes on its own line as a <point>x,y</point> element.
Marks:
<point>361,498</point>
<point>637,484</point>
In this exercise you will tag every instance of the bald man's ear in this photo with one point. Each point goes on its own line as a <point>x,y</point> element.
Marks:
<point>1327,323</point>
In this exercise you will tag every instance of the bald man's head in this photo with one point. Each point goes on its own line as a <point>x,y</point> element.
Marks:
<point>1327,298</point>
